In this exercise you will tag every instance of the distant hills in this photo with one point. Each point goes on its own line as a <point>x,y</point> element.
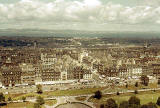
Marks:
<point>77,33</point>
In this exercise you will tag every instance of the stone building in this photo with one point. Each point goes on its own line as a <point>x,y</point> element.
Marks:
<point>11,75</point>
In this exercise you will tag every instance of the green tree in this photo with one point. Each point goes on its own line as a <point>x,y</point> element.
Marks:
<point>136,92</point>
<point>152,105</point>
<point>98,94</point>
<point>133,100</point>
<point>2,98</point>
<point>134,106</point>
<point>158,81</point>
<point>136,84</point>
<point>39,89</point>
<point>127,85</point>
<point>36,105</point>
<point>158,101</point>
<point>111,104</point>
<point>124,104</point>
<point>102,106</point>
<point>118,93</point>
<point>40,100</point>
<point>145,80</point>
<point>149,105</point>
<point>24,99</point>
<point>144,106</point>
<point>9,99</point>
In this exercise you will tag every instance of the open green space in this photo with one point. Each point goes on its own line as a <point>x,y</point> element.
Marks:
<point>145,97</point>
<point>72,92</point>
<point>81,98</point>
<point>50,102</point>
<point>54,93</point>
<point>19,105</point>
<point>27,104</point>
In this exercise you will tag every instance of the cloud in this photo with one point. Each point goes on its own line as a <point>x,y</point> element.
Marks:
<point>86,11</point>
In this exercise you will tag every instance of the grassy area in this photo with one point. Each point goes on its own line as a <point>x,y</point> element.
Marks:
<point>19,96</point>
<point>145,97</point>
<point>140,86</point>
<point>81,98</point>
<point>50,102</point>
<point>54,93</point>
<point>28,104</point>
<point>72,92</point>
<point>19,105</point>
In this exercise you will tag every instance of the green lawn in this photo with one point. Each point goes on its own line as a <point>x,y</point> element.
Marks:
<point>19,105</point>
<point>50,102</point>
<point>72,92</point>
<point>19,96</point>
<point>54,93</point>
<point>145,97</point>
<point>82,98</point>
<point>28,104</point>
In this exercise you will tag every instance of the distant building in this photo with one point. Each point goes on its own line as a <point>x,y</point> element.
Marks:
<point>87,74</point>
<point>50,75</point>
<point>64,75</point>
<point>156,69</point>
<point>78,72</point>
<point>28,74</point>
<point>11,75</point>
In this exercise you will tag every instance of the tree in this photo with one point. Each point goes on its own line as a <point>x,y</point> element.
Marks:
<point>36,105</point>
<point>98,94</point>
<point>152,105</point>
<point>136,84</point>
<point>40,100</point>
<point>136,92</point>
<point>124,104</point>
<point>102,106</point>
<point>111,104</point>
<point>134,106</point>
<point>144,80</point>
<point>118,93</point>
<point>127,85</point>
<point>24,99</point>
<point>158,101</point>
<point>39,89</point>
<point>134,100</point>
<point>144,106</point>
<point>2,98</point>
<point>158,81</point>
<point>9,99</point>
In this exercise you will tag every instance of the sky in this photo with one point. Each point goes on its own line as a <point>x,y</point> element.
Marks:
<point>105,15</point>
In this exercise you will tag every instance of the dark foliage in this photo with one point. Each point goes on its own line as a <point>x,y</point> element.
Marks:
<point>158,101</point>
<point>39,89</point>
<point>98,94</point>
<point>2,98</point>
<point>133,100</point>
<point>124,104</point>
<point>136,92</point>
<point>40,100</point>
<point>111,104</point>
<point>136,84</point>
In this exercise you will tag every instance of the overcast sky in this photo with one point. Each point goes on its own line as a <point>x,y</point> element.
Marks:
<point>109,15</point>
